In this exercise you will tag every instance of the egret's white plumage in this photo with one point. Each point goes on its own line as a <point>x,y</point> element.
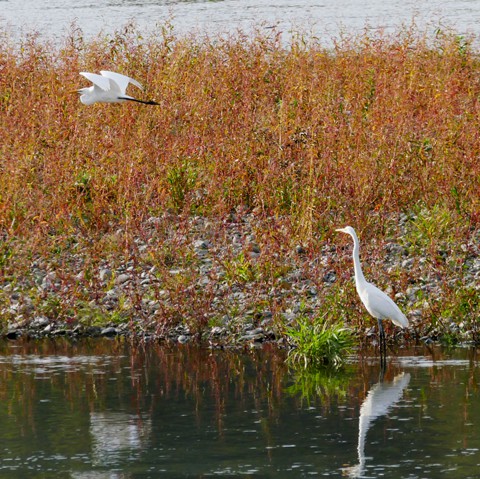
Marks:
<point>109,87</point>
<point>377,303</point>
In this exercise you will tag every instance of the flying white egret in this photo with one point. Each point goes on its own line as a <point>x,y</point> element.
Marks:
<point>378,304</point>
<point>109,87</point>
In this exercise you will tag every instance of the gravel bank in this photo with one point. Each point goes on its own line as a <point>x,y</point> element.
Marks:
<point>234,282</point>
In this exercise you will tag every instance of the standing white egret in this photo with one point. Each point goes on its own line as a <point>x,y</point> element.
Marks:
<point>109,87</point>
<point>378,304</point>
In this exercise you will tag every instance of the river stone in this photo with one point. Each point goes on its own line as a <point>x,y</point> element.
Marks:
<point>48,282</point>
<point>256,335</point>
<point>122,278</point>
<point>217,331</point>
<point>255,248</point>
<point>200,245</point>
<point>105,274</point>
<point>47,329</point>
<point>329,277</point>
<point>93,331</point>
<point>13,333</point>
<point>312,291</point>
<point>40,322</point>
<point>109,331</point>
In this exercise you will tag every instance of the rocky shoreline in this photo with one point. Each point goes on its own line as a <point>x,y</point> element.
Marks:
<point>234,283</point>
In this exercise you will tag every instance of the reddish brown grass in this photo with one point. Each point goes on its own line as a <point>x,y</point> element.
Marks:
<point>314,137</point>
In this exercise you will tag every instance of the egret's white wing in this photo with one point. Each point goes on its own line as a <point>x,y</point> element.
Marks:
<point>381,306</point>
<point>98,80</point>
<point>121,80</point>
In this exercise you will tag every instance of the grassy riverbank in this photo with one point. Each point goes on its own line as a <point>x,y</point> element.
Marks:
<point>214,213</point>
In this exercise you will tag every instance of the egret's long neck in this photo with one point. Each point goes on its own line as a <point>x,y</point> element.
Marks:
<point>359,278</point>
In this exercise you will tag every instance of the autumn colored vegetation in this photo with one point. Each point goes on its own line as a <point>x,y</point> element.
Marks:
<point>302,137</point>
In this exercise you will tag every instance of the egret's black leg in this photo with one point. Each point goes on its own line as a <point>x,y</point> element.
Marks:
<point>149,102</point>
<point>383,342</point>
<point>383,347</point>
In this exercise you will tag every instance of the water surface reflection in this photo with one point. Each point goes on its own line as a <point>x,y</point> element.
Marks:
<point>380,399</point>
<point>105,409</point>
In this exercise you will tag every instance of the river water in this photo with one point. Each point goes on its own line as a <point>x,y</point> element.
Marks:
<point>324,18</point>
<point>103,409</point>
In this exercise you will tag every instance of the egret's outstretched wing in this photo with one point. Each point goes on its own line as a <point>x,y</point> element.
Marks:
<point>121,80</point>
<point>98,80</point>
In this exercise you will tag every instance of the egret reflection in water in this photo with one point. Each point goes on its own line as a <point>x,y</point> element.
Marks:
<point>117,434</point>
<point>381,397</point>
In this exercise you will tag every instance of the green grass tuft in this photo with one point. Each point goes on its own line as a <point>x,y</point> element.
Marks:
<point>318,343</point>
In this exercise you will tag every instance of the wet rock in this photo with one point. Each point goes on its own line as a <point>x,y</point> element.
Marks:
<point>217,331</point>
<point>60,332</point>
<point>257,335</point>
<point>13,333</point>
<point>39,322</point>
<point>109,331</point>
<point>93,331</point>
<point>454,327</point>
<point>152,292</point>
<point>48,329</point>
<point>78,330</point>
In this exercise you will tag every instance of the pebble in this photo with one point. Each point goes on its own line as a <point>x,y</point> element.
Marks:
<point>122,278</point>
<point>200,245</point>
<point>330,277</point>
<point>39,322</point>
<point>188,278</point>
<point>109,331</point>
<point>105,274</point>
